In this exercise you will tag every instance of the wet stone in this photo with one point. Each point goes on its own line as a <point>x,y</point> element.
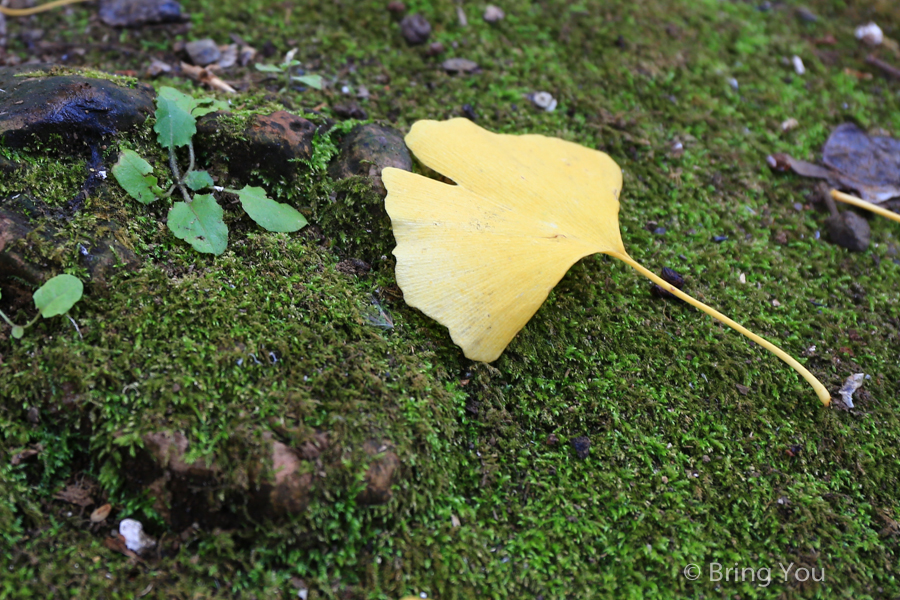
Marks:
<point>270,144</point>
<point>134,13</point>
<point>582,446</point>
<point>459,65</point>
<point>415,29</point>
<point>366,150</point>
<point>203,52</point>
<point>78,109</point>
<point>849,230</point>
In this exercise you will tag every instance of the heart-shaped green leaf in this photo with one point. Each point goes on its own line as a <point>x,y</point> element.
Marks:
<point>58,295</point>
<point>268,214</point>
<point>175,125</point>
<point>200,224</point>
<point>134,175</point>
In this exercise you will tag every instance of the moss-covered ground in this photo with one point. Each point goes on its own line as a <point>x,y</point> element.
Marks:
<point>704,449</point>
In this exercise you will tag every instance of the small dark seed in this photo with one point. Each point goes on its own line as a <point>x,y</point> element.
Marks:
<point>672,276</point>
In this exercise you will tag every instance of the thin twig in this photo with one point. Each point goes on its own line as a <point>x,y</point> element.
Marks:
<point>888,68</point>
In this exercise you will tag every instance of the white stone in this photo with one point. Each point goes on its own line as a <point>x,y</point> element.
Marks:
<point>135,539</point>
<point>870,34</point>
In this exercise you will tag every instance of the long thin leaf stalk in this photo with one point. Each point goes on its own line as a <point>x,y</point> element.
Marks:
<point>820,390</point>
<point>860,203</point>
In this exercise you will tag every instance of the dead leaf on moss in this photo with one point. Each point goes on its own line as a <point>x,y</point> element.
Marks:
<point>75,494</point>
<point>207,77</point>
<point>854,160</point>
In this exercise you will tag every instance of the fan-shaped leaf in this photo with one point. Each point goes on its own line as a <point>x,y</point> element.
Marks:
<point>480,257</point>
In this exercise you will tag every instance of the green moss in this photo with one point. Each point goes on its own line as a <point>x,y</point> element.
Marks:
<point>59,71</point>
<point>685,467</point>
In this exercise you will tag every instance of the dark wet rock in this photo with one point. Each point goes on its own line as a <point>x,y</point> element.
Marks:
<point>670,276</point>
<point>169,450</point>
<point>31,249</point>
<point>582,446</point>
<point>288,493</point>
<point>435,48</point>
<point>134,13</point>
<point>76,109</point>
<point>380,476</point>
<point>269,144</point>
<point>8,167</point>
<point>203,52</point>
<point>849,230</point>
<point>366,150</point>
<point>415,29</point>
<point>354,217</point>
<point>350,110</point>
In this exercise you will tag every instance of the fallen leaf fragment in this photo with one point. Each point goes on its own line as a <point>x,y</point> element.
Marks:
<point>481,256</point>
<point>206,77</point>
<point>75,494</point>
<point>20,457</point>
<point>116,543</point>
<point>101,513</point>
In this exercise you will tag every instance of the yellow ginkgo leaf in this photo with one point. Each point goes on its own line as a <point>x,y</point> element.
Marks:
<point>480,257</point>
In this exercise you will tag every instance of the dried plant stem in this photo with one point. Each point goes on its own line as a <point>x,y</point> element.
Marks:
<point>820,390</point>
<point>860,203</point>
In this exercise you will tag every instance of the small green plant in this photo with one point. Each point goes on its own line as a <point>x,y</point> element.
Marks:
<point>197,220</point>
<point>313,81</point>
<point>54,298</point>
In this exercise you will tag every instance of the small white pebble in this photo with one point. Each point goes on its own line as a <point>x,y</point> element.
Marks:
<point>544,100</point>
<point>742,278</point>
<point>870,34</point>
<point>733,83</point>
<point>492,14</point>
<point>798,65</point>
<point>102,173</point>
<point>789,124</point>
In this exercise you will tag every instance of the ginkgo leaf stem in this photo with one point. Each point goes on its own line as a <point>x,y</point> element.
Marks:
<point>860,203</point>
<point>24,12</point>
<point>820,390</point>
